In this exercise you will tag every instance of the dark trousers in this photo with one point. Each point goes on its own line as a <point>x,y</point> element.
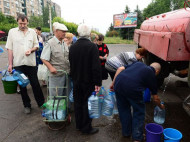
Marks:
<point>31,73</point>
<point>81,93</point>
<point>132,122</point>
<point>112,74</point>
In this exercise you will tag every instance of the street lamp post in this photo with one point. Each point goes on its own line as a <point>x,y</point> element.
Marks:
<point>50,23</point>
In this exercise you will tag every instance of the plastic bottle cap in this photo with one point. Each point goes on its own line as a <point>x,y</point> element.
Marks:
<point>94,93</point>
<point>20,83</point>
<point>13,70</point>
<point>43,114</point>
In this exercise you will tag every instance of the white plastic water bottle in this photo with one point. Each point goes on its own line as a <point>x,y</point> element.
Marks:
<point>22,80</point>
<point>93,106</point>
<point>159,115</point>
<point>48,114</point>
<point>108,105</point>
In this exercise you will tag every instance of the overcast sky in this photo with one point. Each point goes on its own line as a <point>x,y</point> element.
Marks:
<point>96,13</point>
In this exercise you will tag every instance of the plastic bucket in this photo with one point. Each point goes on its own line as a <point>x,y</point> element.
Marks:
<point>172,135</point>
<point>10,87</point>
<point>153,132</point>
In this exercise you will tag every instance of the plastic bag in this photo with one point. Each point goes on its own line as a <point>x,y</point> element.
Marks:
<point>42,72</point>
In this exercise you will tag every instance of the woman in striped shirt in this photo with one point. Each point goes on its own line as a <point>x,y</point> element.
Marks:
<point>124,58</point>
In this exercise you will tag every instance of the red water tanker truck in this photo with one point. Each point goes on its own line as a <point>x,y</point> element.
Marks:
<point>167,39</point>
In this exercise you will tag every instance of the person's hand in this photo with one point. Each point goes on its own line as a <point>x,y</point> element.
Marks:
<point>27,53</point>
<point>101,58</point>
<point>97,89</point>
<point>162,106</point>
<point>53,70</point>
<point>10,68</point>
<point>112,87</point>
<point>105,57</point>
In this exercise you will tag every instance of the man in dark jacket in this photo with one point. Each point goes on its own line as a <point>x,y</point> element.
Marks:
<point>86,74</point>
<point>129,83</point>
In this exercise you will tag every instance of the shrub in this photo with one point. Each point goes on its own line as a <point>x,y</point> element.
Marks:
<point>6,27</point>
<point>72,27</point>
<point>112,34</point>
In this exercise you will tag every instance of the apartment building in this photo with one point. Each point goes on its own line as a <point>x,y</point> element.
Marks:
<point>27,7</point>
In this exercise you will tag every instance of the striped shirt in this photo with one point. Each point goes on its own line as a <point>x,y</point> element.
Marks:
<point>122,59</point>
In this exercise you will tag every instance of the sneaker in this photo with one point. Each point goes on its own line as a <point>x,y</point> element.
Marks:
<point>27,110</point>
<point>18,92</point>
<point>92,131</point>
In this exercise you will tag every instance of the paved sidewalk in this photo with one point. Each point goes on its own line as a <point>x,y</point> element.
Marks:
<point>15,126</point>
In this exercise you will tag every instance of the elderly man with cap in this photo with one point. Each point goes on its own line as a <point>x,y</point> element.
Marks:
<point>55,57</point>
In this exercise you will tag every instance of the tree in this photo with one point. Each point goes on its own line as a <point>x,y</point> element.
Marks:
<point>2,17</point>
<point>157,7</point>
<point>36,21</point>
<point>177,4</point>
<point>127,10</point>
<point>111,28</point>
<point>140,18</point>
<point>46,16</point>
<point>72,27</point>
<point>11,20</point>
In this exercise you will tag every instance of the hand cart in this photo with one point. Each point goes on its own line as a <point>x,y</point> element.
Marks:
<point>55,123</point>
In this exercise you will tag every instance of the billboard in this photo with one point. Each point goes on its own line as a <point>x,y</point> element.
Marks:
<point>125,20</point>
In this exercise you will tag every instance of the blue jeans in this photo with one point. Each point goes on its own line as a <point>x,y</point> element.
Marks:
<point>132,122</point>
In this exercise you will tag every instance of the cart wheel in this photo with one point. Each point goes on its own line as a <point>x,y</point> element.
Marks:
<point>47,123</point>
<point>56,126</point>
<point>69,118</point>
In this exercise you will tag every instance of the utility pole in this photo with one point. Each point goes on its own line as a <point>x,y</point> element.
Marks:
<point>50,23</point>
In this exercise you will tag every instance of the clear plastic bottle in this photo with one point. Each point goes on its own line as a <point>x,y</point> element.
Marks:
<point>159,115</point>
<point>108,105</point>
<point>22,80</point>
<point>102,94</point>
<point>93,106</point>
<point>71,99</point>
<point>5,73</point>
<point>1,50</point>
<point>115,109</point>
<point>48,114</point>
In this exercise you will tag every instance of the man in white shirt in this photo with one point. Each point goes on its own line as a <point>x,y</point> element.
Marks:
<point>21,45</point>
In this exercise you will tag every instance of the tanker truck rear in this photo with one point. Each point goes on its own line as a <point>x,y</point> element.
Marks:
<point>167,39</point>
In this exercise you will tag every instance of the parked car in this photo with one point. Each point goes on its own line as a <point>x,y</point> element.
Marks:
<point>3,36</point>
<point>46,36</point>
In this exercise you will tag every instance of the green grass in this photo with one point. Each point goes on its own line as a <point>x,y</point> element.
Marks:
<point>2,42</point>
<point>107,40</point>
<point>117,40</point>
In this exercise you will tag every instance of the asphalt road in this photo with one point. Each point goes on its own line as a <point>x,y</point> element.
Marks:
<point>15,126</point>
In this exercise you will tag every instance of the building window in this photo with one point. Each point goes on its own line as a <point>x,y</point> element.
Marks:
<point>6,4</point>
<point>7,11</point>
